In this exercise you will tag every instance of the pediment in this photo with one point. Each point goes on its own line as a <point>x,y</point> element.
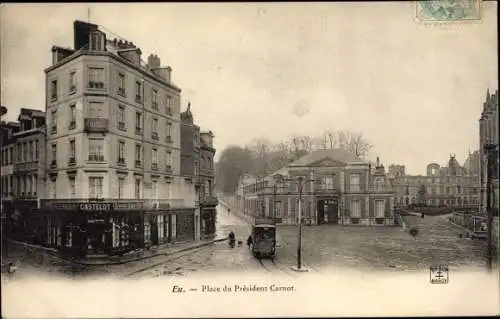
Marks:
<point>326,161</point>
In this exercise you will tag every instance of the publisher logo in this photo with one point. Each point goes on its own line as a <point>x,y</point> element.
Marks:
<point>439,274</point>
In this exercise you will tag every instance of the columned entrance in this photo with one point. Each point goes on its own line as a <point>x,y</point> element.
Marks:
<point>328,211</point>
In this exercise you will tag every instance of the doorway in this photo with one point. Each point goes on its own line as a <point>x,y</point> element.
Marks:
<point>328,211</point>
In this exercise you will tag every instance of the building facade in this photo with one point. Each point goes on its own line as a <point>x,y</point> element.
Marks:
<point>334,187</point>
<point>113,178</point>
<point>23,170</point>
<point>451,186</point>
<point>488,134</point>
<point>197,167</point>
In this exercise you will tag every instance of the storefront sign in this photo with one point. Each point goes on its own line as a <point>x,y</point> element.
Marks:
<point>106,207</point>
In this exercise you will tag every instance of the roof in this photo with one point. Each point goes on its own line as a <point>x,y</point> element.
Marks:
<point>336,154</point>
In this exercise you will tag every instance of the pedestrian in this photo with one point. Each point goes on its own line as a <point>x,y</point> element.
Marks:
<point>249,241</point>
<point>11,268</point>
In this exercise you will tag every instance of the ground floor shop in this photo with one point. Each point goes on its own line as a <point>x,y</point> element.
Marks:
<point>345,209</point>
<point>208,221</point>
<point>106,228</point>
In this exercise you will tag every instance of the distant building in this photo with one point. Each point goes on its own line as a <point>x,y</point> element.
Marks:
<point>197,167</point>
<point>113,149</point>
<point>488,133</point>
<point>23,167</point>
<point>396,170</point>
<point>451,185</point>
<point>338,188</point>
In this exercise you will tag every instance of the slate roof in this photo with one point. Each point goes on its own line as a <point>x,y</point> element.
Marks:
<point>336,154</point>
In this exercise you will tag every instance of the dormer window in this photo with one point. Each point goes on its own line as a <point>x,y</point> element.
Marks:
<point>96,42</point>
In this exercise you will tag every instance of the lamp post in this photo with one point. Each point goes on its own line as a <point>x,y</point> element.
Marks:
<point>299,267</point>
<point>490,150</point>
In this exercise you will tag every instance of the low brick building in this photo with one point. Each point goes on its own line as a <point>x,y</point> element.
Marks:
<point>335,187</point>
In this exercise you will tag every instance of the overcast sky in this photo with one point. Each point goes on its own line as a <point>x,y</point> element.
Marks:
<point>272,70</point>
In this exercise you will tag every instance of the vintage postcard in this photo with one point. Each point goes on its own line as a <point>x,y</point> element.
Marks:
<point>247,159</point>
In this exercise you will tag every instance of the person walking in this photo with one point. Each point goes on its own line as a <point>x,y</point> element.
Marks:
<point>249,241</point>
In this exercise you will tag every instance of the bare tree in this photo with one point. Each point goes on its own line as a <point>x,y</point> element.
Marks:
<point>354,142</point>
<point>262,148</point>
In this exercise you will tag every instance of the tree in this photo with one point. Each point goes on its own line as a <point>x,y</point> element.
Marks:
<point>353,142</point>
<point>233,163</point>
<point>261,149</point>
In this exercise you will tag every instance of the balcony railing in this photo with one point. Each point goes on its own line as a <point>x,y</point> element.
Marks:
<point>138,130</point>
<point>154,136</point>
<point>154,166</point>
<point>96,158</point>
<point>72,161</point>
<point>169,110</point>
<point>121,126</point>
<point>169,139</point>
<point>96,125</point>
<point>53,129</point>
<point>24,167</point>
<point>138,164</point>
<point>72,125</point>
<point>53,164</point>
<point>121,161</point>
<point>154,105</point>
<point>138,99</point>
<point>168,168</point>
<point>96,85</point>
<point>121,91</point>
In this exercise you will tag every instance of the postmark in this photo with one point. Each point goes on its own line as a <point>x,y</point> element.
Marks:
<point>448,10</point>
<point>439,274</point>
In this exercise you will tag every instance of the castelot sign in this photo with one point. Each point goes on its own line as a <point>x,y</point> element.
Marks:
<point>106,207</point>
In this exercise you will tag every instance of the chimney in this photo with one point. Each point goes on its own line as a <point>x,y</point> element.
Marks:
<point>153,62</point>
<point>168,74</point>
<point>81,33</point>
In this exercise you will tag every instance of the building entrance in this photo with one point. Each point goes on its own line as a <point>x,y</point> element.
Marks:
<point>328,211</point>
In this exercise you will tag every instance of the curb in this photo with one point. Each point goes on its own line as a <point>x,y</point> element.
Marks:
<point>121,262</point>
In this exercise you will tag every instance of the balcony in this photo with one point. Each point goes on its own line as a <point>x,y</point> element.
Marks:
<point>209,201</point>
<point>72,125</point>
<point>96,158</point>
<point>25,167</point>
<point>53,164</point>
<point>154,166</point>
<point>138,164</point>
<point>96,85</point>
<point>53,129</point>
<point>121,126</point>
<point>96,125</point>
<point>71,161</point>
<point>121,162</point>
<point>168,168</point>
<point>169,110</point>
<point>169,139</point>
<point>155,136</point>
<point>121,91</point>
<point>138,130</point>
<point>138,99</point>
<point>154,105</point>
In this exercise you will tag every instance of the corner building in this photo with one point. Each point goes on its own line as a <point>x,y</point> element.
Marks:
<point>113,149</point>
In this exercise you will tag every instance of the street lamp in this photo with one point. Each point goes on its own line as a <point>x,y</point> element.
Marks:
<point>299,268</point>
<point>490,150</point>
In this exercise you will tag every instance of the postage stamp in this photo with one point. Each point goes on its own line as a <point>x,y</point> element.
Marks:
<point>448,10</point>
<point>439,274</point>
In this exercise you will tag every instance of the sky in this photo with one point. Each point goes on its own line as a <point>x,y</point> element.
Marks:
<point>253,70</point>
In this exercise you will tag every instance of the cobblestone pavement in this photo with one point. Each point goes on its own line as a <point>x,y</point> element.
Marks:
<point>387,248</point>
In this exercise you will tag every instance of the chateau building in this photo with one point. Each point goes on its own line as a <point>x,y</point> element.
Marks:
<point>335,187</point>
<point>488,134</point>
<point>197,167</point>
<point>452,185</point>
<point>113,159</point>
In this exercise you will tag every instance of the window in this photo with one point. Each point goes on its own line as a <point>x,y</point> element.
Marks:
<point>154,186</point>
<point>30,151</point>
<point>154,158</point>
<point>54,153</point>
<point>138,149</point>
<point>147,232</point>
<point>121,183</point>
<point>154,133</point>
<point>168,103</point>
<point>121,117</point>
<point>72,187</point>
<point>379,208</point>
<point>161,227</point>
<point>169,131</point>
<point>354,183</point>
<point>36,151</point>
<point>96,187</point>
<point>355,208</point>
<point>379,183</point>
<point>138,123</point>
<point>121,152</point>
<point>154,102</point>
<point>72,82</point>
<point>96,150</point>
<point>328,182</point>
<point>96,78</point>
<point>278,210</point>
<point>96,41</point>
<point>53,90</point>
<point>72,152</point>
<point>54,121</point>
<point>137,188</point>
<point>121,84</point>
<point>72,120</point>
<point>169,158</point>
<point>138,91</point>
<point>459,189</point>
<point>95,110</point>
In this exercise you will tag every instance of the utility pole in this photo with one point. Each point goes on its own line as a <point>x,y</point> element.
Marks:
<point>489,149</point>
